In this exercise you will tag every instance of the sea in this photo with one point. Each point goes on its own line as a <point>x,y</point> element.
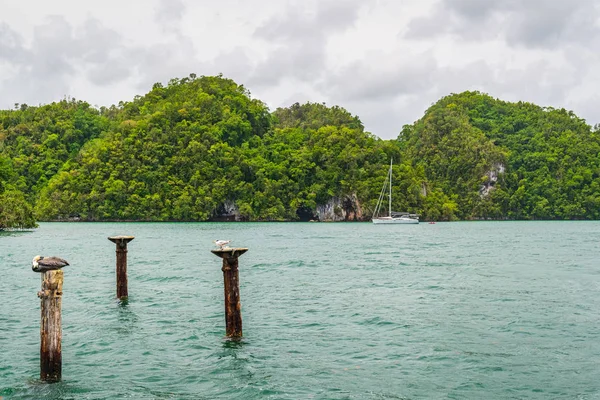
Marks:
<point>455,310</point>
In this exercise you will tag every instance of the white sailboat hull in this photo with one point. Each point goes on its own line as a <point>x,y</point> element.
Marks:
<point>390,220</point>
<point>403,218</point>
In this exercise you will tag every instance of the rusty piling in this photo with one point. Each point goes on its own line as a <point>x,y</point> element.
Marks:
<point>233,307</point>
<point>50,327</point>
<point>121,242</point>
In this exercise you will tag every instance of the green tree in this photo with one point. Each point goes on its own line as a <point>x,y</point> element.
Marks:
<point>15,212</point>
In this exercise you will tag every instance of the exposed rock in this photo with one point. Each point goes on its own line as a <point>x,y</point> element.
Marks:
<point>227,211</point>
<point>345,208</point>
<point>492,178</point>
<point>306,214</point>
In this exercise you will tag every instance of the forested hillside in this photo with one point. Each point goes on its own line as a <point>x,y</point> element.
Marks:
<point>201,148</point>
<point>35,143</point>
<point>508,160</point>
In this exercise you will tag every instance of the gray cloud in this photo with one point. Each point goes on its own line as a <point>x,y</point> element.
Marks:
<point>298,41</point>
<point>60,53</point>
<point>234,64</point>
<point>387,120</point>
<point>12,49</point>
<point>170,11</point>
<point>379,80</point>
<point>57,55</point>
<point>385,100</point>
<point>42,69</point>
<point>342,52</point>
<point>109,72</point>
<point>298,25</point>
<point>528,23</point>
<point>474,9</point>
<point>169,15</point>
<point>467,19</point>
<point>539,23</point>
<point>97,42</point>
<point>53,48</point>
<point>172,57</point>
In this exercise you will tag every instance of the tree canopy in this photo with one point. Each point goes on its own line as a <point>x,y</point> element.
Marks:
<point>202,147</point>
<point>546,161</point>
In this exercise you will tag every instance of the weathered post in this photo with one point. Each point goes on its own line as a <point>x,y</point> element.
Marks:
<point>233,307</point>
<point>50,328</point>
<point>121,242</point>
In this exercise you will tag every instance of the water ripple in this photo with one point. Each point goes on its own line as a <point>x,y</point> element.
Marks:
<point>334,311</point>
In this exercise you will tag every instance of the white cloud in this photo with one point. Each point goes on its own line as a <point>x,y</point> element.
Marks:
<point>385,61</point>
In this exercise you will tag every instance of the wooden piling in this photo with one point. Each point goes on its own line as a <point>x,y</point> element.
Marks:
<point>233,307</point>
<point>121,242</point>
<point>50,328</point>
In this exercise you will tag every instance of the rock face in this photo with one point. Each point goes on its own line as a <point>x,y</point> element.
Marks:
<point>492,178</point>
<point>227,212</point>
<point>345,208</point>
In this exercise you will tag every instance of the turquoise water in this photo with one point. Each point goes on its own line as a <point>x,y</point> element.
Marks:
<point>478,310</point>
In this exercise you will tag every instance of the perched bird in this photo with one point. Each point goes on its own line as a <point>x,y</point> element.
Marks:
<point>43,264</point>
<point>221,243</point>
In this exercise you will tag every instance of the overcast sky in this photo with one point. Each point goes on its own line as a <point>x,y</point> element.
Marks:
<point>383,60</point>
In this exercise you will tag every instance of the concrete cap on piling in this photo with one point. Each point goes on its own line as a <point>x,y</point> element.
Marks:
<point>121,238</point>
<point>230,252</point>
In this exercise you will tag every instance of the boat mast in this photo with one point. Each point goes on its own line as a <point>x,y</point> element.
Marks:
<point>390,196</point>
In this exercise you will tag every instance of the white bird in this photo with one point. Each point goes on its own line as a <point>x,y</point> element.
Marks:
<point>221,243</point>
<point>43,264</point>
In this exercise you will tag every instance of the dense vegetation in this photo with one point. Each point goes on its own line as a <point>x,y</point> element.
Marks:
<point>546,161</point>
<point>197,146</point>
<point>35,143</point>
<point>201,147</point>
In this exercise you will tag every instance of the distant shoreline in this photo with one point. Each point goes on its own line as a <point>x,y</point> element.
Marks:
<point>290,221</point>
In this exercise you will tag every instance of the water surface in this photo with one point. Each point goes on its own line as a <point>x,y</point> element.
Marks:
<point>495,310</point>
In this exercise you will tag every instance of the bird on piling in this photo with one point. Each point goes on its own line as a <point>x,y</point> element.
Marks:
<point>221,243</point>
<point>43,264</point>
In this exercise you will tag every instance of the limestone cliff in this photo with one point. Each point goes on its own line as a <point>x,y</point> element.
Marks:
<point>227,212</point>
<point>491,179</point>
<point>345,208</point>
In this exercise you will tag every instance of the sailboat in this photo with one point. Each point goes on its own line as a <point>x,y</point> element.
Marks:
<point>392,217</point>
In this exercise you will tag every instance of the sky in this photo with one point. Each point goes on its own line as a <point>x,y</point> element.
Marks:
<point>386,61</point>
